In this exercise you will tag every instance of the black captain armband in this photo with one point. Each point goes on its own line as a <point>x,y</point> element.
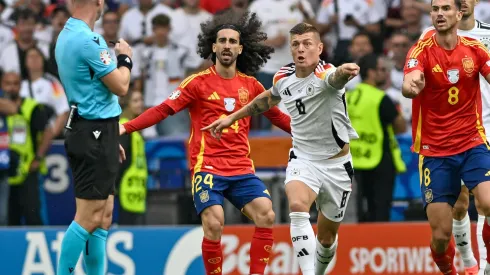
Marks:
<point>124,61</point>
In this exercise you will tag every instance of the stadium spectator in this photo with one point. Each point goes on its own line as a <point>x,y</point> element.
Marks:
<point>376,155</point>
<point>351,17</point>
<point>360,46</point>
<point>110,27</point>
<point>131,183</point>
<point>27,151</point>
<point>13,56</point>
<point>45,89</point>
<point>159,68</point>
<point>187,20</point>
<point>237,6</point>
<point>133,22</point>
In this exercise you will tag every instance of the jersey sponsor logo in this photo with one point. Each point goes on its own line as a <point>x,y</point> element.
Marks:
<point>468,65</point>
<point>453,76</point>
<point>243,95</point>
<point>229,104</point>
<point>105,57</point>
<point>214,96</point>
<point>175,94</point>
<point>412,63</point>
<point>437,69</point>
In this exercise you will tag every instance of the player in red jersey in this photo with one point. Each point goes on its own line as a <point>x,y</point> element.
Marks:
<point>442,75</point>
<point>223,169</point>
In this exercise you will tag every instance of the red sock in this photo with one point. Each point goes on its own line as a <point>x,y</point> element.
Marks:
<point>445,260</point>
<point>260,250</point>
<point>486,238</point>
<point>212,256</point>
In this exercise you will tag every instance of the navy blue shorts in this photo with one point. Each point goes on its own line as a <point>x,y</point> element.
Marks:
<point>209,189</point>
<point>440,177</point>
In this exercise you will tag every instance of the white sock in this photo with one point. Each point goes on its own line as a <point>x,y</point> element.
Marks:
<point>303,239</point>
<point>462,236</point>
<point>324,256</point>
<point>481,245</point>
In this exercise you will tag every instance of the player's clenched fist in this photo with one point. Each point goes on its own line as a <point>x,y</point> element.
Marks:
<point>122,47</point>
<point>217,127</point>
<point>349,70</point>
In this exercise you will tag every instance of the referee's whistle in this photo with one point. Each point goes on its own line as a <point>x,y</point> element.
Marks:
<point>113,42</point>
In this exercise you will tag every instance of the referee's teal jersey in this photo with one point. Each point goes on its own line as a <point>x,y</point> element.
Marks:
<point>83,58</point>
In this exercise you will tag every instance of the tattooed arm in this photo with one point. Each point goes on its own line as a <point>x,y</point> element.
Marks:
<point>263,102</point>
<point>342,75</point>
<point>260,104</point>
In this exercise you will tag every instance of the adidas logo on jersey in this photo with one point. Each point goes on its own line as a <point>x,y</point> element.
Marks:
<point>214,96</point>
<point>302,253</point>
<point>437,69</point>
<point>286,92</point>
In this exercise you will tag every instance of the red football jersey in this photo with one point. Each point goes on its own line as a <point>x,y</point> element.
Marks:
<point>209,97</point>
<point>446,114</point>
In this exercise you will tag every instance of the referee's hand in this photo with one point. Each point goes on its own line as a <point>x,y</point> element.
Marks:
<point>122,47</point>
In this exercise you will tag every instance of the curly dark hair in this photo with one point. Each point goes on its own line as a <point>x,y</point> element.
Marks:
<point>254,53</point>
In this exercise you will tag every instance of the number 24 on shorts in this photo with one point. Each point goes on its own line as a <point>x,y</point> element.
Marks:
<point>196,185</point>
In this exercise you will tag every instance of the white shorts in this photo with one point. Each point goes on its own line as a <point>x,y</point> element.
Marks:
<point>330,179</point>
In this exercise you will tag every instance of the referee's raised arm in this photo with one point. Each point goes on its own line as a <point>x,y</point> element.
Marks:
<point>92,82</point>
<point>118,80</point>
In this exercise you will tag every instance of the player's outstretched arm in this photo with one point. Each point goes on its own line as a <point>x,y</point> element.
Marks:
<point>413,84</point>
<point>263,102</point>
<point>148,118</point>
<point>342,75</point>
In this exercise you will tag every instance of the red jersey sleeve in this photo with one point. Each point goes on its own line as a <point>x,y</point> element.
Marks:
<point>416,56</point>
<point>484,58</point>
<point>184,95</point>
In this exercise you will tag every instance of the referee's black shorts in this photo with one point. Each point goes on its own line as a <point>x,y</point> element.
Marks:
<point>92,147</point>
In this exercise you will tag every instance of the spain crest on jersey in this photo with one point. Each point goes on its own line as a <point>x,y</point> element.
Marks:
<point>243,95</point>
<point>453,76</point>
<point>229,104</point>
<point>468,65</point>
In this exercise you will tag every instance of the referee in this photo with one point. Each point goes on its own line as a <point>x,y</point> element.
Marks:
<point>92,83</point>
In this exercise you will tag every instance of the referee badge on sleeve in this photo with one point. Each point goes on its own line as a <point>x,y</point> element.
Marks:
<point>105,57</point>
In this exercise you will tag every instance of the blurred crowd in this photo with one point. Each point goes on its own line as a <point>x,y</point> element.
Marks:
<point>164,38</point>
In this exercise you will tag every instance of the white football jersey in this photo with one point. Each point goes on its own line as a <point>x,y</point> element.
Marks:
<point>320,124</point>
<point>481,31</point>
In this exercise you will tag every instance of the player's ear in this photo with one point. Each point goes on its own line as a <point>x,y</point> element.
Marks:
<point>240,49</point>
<point>214,47</point>
<point>320,48</point>
<point>459,15</point>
